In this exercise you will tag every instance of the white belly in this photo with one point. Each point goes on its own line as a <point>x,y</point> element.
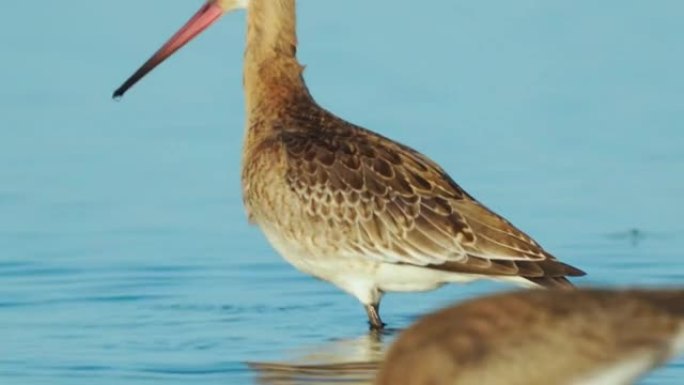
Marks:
<point>358,275</point>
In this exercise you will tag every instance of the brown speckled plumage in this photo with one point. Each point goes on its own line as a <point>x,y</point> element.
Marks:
<point>540,338</point>
<point>379,196</point>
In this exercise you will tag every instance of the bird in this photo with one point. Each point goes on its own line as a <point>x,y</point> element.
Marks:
<point>343,203</point>
<point>537,337</point>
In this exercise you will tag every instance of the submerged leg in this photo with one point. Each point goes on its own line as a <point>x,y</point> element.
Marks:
<point>374,320</point>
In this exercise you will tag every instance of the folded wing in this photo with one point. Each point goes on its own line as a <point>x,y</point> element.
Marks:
<point>397,206</point>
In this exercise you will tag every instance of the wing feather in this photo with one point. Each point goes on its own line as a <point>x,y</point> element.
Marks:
<point>401,207</point>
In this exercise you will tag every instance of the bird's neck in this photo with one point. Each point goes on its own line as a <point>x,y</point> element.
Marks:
<point>272,74</point>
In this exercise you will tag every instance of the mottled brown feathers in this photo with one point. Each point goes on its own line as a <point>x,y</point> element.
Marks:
<point>396,205</point>
<point>536,338</point>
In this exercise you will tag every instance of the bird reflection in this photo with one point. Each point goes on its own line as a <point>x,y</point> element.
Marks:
<point>347,361</point>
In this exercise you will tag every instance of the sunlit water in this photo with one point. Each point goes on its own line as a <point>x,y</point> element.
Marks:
<point>125,256</point>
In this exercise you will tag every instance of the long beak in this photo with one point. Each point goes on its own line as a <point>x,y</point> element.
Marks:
<point>206,16</point>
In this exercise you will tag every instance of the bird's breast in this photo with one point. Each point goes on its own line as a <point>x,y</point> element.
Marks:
<point>264,188</point>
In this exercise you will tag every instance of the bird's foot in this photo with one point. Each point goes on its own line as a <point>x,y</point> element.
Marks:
<point>374,320</point>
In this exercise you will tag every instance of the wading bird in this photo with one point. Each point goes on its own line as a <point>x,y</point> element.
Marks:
<point>343,203</point>
<point>582,337</point>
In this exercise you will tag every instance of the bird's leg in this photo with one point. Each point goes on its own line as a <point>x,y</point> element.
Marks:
<point>374,316</point>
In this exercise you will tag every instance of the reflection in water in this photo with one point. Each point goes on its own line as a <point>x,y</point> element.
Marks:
<point>357,373</point>
<point>348,361</point>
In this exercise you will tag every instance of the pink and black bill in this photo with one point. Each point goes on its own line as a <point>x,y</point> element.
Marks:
<point>206,16</point>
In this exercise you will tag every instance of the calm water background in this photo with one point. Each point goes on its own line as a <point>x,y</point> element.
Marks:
<point>125,256</point>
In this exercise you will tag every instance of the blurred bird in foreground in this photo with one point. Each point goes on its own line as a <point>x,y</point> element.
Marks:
<point>583,337</point>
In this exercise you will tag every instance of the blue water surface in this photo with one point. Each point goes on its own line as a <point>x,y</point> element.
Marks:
<point>125,255</point>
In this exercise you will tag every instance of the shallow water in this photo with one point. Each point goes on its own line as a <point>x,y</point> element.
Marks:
<point>125,253</point>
